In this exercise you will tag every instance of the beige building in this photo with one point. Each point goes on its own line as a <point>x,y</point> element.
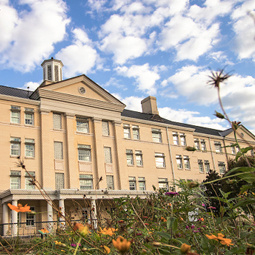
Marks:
<point>85,148</point>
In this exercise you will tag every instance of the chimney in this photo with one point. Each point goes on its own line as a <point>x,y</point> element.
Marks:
<point>149,105</point>
<point>52,70</point>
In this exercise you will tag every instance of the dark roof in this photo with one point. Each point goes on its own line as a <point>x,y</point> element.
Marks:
<point>157,118</point>
<point>9,91</point>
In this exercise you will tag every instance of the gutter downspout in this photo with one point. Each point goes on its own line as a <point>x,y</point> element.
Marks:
<point>170,156</point>
<point>212,154</point>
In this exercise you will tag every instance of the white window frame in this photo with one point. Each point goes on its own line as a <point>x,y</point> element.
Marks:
<point>82,125</point>
<point>86,179</point>
<point>160,160</point>
<point>59,181</point>
<point>186,162</point>
<point>203,145</point>
<point>136,132</point>
<point>196,144</point>
<point>30,218</point>
<point>58,150</point>
<point>218,148</point>
<point>141,183</point>
<point>108,151</point>
<point>163,183</point>
<point>15,146</point>
<point>179,162</point>
<point>29,116</point>
<point>183,139</point>
<point>132,182</point>
<point>29,148</point>
<point>175,138</point>
<point>15,114</point>
<point>222,167</point>
<point>130,157</point>
<point>156,135</point>
<point>28,180</point>
<point>105,128</point>
<point>15,179</point>
<point>126,130</point>
<point>200,166</point>
<point>57,121</point>
<point>110,182</point>
<point>139,158</point>
<point>207,166</point>
<point>84,152</point>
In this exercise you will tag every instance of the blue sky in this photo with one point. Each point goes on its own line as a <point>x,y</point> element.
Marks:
<point>133,49</point>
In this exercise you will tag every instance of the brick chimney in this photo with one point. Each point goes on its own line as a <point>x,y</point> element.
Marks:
<point>149,105</point>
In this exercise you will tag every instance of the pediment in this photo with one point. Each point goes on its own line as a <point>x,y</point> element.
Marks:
<point>82,87</point>
<point>245,134</point>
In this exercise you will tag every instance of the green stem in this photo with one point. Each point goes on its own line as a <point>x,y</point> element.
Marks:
<point>77,246</point>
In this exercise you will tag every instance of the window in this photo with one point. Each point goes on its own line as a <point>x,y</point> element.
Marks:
<point>29,116</point>
<point>30,218</point>
<point>30,148</point>
<point>130,160</point>
<point>56,73</point>
<point>139,158</point>
<point>222,167</point>
<point>233,149</point>
<point>132,183</point>
<point>218,147</point>
<point>58,150</point>
<point>49,73</point>
<point>186,162</point>
<point>200,166</point>
<point>196,143</point>
<point>15,179</point>
<point>179,161</point>
<point>183,139</point>
<point>82,125</point>
<point>86,181</point>
<point>163,183</point>
<point>160,159</point>
<point>141,183</point>
<point>110,182</point>
<point>136,135</point>
<point>126,129</point>
<point>57,121</point>
<point>59,181</point>
<point>156,136</point>
<point>15,146</point>
<point>105,128</point>
<point>108,155</point>
<point>207,166</point>
<point>175,138</point>
<point>84,152</point>
<point>15,114</point>
<point>203,146</point>
<point>29,178</point>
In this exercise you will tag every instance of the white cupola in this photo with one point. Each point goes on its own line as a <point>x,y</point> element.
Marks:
<point>52,70</point>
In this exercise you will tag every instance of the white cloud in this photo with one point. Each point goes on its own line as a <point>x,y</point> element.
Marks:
<point>243,25</point>
<point>145,76</point>
<point>191,117</point>
<point>80,57</point>
<point>31,85</point>
<point>31,34</point>
<point>133,103</point>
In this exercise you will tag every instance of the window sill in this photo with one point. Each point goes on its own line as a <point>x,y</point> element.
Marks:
<point>14,156</point>
<point>130,165</point>
<point>140,166</point>
<point>161,167</point>
<point>29,157</point>
<point>80,132</point>
<point>180,168</point>
<point>187,169</point>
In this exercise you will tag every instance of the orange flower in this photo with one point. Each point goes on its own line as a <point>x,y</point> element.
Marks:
<point>106,249</point>
<point>220,237</point>
<point>84,230</point>
<point>121,244</point>
<point>164,219</point>
<point>19,208</point>
<point>107,231</point>
<point>44,231</point>
<point>185,248</point>
<point>212,237</point>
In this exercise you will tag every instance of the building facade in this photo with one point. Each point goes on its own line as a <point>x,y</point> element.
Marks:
<point>85,149</point>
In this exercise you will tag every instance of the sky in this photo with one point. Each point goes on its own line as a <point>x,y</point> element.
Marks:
<point>135,49</point>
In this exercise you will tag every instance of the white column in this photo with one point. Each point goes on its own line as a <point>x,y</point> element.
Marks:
<point>5,218</point>
<point>62,209</point>
<point>50,217</point>
<point>14,219</point>
<point>94,213</point>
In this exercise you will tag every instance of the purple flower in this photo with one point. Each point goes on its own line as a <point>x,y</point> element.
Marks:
<point>195,231</point>
<point>192,227</point>
<point>203,226</point>
<point>203,205</point>
<point>212,207</point>
<point>171,193</point>
<point>187,227</point>
<point>138,234</point>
